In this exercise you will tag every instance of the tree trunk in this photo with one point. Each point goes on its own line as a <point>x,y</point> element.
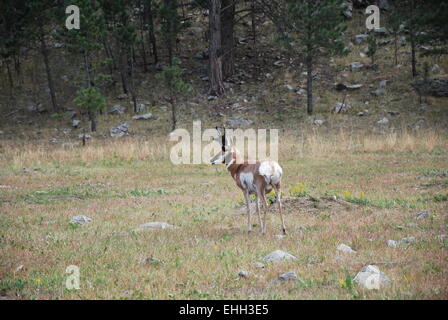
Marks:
<point>227,38</point>
<point>396,48</point>
<point>412,33</point>
<point>215,50</point>
<point>92,118</point>
<point>173,113</point>
<point>309,84</point>
<point>149,20</point>
<point>44,51</point>
<point>252,15</point>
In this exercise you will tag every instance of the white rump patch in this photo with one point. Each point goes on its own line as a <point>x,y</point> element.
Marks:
<point>271,172</point>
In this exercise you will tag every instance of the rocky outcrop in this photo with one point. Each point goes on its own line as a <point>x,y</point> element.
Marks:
<point>435,87</point>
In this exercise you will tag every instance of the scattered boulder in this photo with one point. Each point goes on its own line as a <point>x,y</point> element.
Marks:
<point>345,248</point>
<point>279,255</point>
<point>36,108</point>
<point>351,87</point>
<point>243,274</point>
<point>383,42</point>
<point>155,226</point>
<point>75,123</point>
<point>341,107</point>
<point>318,122</point>
<point>394,243</point>
<point>383,121</point>
<point>380,31</point>
<point>360,38</point>
<point>383,83</point>
<point>356,66</point>
<point>122,96</point>
<point>140,107</point>
<point>240,122</point>
<point>370,277</point>
<point>434,87</point>
<point>120,130</point>
<point>347,7</point>
<point>84,136</point>
<point>422,215</point>
<point>80,220</point>
<point>259,265</point>
<point>117,109</point>
<point>289,87</point>
<point>393,112</point>
<point>142,116</point>
<point>201,55</point>
<point>288,276</point>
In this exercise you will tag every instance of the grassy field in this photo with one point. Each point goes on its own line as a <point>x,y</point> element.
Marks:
<point>380,182</point>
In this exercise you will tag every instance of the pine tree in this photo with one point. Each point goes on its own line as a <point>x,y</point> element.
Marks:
<point>317,28</point>
<point>93,101</point>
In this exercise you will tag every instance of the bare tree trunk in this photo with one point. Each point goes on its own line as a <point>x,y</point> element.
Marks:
<point>309,84</point>
<point>396,48</point>
<point>44,51</point>
<point>149,20</point>
<point>252,14</point>
<point>215,50</point>
<point>412,33</point>
<point>227,38</point>
<point>173,113</point>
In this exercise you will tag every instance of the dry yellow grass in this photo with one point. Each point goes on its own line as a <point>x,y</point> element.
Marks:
<point>381,182</point>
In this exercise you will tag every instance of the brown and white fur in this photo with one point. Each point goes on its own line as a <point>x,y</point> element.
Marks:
<point>252,178</point>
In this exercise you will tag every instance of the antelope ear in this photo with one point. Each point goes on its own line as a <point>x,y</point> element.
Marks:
<point>219,131</point>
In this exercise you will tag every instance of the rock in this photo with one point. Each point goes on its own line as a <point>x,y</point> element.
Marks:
<point>155,226</point>
<point>36,108</point>
<point>345,248</point>
<point>356,66</point>
<point>288,276</point>
<point>243,274</point>
<point>278,63</point>
<point>120,130</point>
<point>80,220</point>
<point>289,87</point>
<point>383,83</point>
<point>279,255</point>
<point>259,265</point>
<point>75,123</point>
<point>140,107</point>
<point>383,121</point>
<point>341,86</point>
<point>370,277</point>
<point>142,116</point>
<point>150,259</point>
<point>394,244</point>
<point>341,107</point>
<point>384,5</point>
<point>117,109</point>
<point>383,42</point>
<point>378,92</point>
<point>239,122</point>
<point>393,113</point>
<point>422,215</point>
<point>279,236</point>
<point>318,122</point>
<point>435,68</point>
<point>360,38</point>
<point>70,144</point>
<point>201,55</point>
<point>210,98</point>
<point>434,87</point>
<point>347,8</point>
<point>380,31</point>
<point>84,135</point>
<point>122,96</point>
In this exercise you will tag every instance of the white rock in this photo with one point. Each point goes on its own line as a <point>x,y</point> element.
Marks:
<point>345,248</point>
<point>392,243</point>
<point>383,121</point>
<point>243,274</point>
<point>318,122</point>
<point>279,255</point>
<point>155,225</point>
<point>422,215</point>
<point>289,87</point>
<point>370,277</point>
<point>259,265</point>
<point>142,116</point>
<point>356,66</point>
<point>291,275</point>
<point>80,220</point>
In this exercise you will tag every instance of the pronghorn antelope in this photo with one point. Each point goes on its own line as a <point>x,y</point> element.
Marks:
<point>257,178</point>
